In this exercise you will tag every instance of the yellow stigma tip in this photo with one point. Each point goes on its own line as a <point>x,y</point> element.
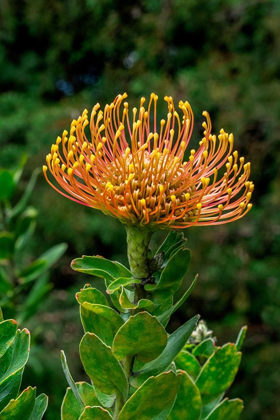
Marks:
<point>220,207</point>
<point>187,196</point>
<point>143,202</point>
<point>198,206</point>
<point>173,198</point>
<point>45,168</point>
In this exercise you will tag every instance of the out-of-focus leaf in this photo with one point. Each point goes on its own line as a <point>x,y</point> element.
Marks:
<point>39,408</point>
<point>228,409</point>
<point>7,185</point>
<point>219,371</point>
<point>188,402</point>
<point>25,227</point>
<point>175,343</point>
<point>6,245</point>
<point>100,267</point>
<point>18,172</point>
<point>205,349</point>
<point>71,408</point>
<point>43,263</point>
<point>122,281</point>
<point>187,362</point>
<point>95,413</point>
<point>102,366</point>
<point>142,336</point>
<point>152,398</point>
<point>35,297</point>
<point>5,284</point>
<point>8,330</point>
<point>172,274</point>
<point>21,205</point>
<point>20,408</point>
<point>164,318</point>
<point>241,337</point>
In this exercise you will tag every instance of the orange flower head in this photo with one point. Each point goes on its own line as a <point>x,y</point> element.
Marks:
<point>137,169</point>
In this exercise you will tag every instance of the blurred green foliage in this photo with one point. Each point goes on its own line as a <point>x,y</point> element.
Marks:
<point>58,57</point>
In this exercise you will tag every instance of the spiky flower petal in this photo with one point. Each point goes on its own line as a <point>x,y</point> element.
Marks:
<point>137,169</point>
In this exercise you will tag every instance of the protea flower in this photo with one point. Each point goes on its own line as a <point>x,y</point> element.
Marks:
<point>140,172</point>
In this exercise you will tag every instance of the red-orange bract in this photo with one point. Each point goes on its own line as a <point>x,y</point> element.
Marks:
<point>137,169</point>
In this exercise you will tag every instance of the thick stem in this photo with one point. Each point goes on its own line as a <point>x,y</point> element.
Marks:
<point>118,405</point>
<point>138,239</point>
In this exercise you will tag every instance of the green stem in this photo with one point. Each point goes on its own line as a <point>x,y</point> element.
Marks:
<point>118,405</point>
<point>138,239</point>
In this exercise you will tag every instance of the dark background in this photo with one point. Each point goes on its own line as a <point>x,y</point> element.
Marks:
<point>59,57</point>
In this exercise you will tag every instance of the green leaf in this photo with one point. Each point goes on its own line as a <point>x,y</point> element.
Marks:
<point>6,245</point>
<point>39,408</point>
<point>205,349</point>
<point>122,281</point>
<point>25,226</point>
<point>164,318</point>
<point>91,295</point>
<point>176,342</point>
<point>6,185</point>
<point>9,388</point>
<point>187,362</point>
<point>95,413</point>
<point>173,273</point>
<point>126,303</point>
<point>173,242</point>
<point>22,203</point>
<point>219,371</point>
<point>71,408</point>
<point>7,335</point>
<point>35,298</point>
<point>43,263</point>
<point>142,336</point>
<point>105,400</point>
<point>228,409</point>
<point>241,337</point>
<point>70,380</point>
<point>96,316</point>
<point>101,320</point>
<point>152,398</point>
<point>100,267</point>
<point>188,402</point>
<point>21,408</point>
<point>102,366</point>
<point>16,356</point>
<point>5,285</point>
<point>207,408</point>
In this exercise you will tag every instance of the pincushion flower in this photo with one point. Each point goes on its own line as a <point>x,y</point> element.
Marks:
<point>133,167</point>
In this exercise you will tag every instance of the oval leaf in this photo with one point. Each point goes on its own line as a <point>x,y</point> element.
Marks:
<point>228,409</point>
<point>219,371</point>
<point>152,398</point>
<point>72,408</point>
<point>102,366</point>
<point>176,342</point>
<point>188,403</point>
<point>187,362</point>
<point>205,349</point>
<point>95,413</point>
<point>100,267</point>
<point>142,336</point>
<point>21,408</point>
